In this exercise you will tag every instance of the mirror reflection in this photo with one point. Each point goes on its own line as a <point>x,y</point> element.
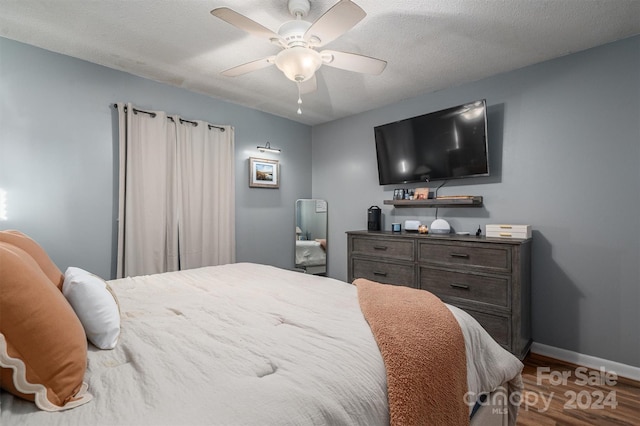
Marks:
<point>311,236</point>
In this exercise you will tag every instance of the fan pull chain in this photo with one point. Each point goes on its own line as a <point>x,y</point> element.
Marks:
<point>299,101</point>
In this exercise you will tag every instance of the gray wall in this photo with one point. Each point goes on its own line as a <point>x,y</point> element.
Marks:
<point>564,141</point>
<point>58,157</point>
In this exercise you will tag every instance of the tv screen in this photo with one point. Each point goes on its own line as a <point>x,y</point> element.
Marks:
<point>442,145</point>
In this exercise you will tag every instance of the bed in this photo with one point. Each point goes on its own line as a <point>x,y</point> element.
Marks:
<point>311,256</point>
<point>249,344</point>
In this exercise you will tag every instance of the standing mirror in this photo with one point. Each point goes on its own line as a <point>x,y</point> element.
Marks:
<point>311,236</point>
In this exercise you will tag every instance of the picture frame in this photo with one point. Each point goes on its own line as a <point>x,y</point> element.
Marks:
<point>264,173</point>
<point>321,206</point>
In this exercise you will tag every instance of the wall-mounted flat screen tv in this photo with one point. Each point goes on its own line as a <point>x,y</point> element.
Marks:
<point>441,145</point>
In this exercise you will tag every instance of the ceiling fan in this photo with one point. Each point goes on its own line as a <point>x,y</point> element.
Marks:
<point>299,59</point>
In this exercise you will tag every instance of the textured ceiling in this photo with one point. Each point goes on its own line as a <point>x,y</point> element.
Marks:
<point>429,44</point>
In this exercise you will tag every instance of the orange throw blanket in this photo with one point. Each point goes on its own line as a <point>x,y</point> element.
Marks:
<point>423,351</point>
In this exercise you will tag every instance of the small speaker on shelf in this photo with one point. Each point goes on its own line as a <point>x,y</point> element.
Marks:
<point>439,226</point>
<point>374,218</point>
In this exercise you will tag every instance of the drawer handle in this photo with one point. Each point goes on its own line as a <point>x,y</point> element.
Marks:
<point>380,274</point>
<point>379,247</point>
<point>460,255</point>
<point>460,286</point>
<point>505,234</point>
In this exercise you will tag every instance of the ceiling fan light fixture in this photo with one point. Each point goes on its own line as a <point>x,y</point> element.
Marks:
<point>299,38</point>
<point>298,63</point>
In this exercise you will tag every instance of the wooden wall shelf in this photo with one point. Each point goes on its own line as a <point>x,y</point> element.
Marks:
<point>474,201</point>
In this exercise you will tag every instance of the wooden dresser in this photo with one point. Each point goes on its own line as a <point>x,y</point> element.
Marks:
<point>490,278</point>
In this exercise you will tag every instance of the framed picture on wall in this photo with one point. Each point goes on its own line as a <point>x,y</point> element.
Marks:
<point>264,173</point>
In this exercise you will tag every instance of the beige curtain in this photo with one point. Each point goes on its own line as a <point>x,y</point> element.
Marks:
<point>176,193</point>
<point>206,188</point>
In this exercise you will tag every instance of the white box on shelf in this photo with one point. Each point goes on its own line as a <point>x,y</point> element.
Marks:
<point>508,231</point>
<point>411,225</point>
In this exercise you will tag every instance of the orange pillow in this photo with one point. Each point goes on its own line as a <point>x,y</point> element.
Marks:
<point>23,241</point>
<point>43,347</point>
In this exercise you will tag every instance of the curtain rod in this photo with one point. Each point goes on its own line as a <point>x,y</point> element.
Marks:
<point>182,120</point>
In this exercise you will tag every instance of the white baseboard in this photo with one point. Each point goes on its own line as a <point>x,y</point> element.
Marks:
<point>622,370</point>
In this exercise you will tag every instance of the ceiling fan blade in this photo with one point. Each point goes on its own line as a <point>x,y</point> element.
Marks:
<point>335,22</point>
<point>308,86</point>
<point>242,22</point>
<point>249,66</point>
<point>353,62</point>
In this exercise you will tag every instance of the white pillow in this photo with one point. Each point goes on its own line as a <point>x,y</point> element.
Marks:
<point>95,306</point>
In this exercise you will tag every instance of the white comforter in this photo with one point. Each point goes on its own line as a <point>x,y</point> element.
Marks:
<point>243,344</point>
<point>310,253</point>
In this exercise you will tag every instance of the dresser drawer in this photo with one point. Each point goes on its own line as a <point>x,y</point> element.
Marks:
<point>479,256</point>
<point>497,326</point>
<point>398,249</point>
<point>383,272</point>
<point>493,290</point>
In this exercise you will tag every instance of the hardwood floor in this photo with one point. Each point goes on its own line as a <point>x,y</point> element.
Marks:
<point>558,393</point>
